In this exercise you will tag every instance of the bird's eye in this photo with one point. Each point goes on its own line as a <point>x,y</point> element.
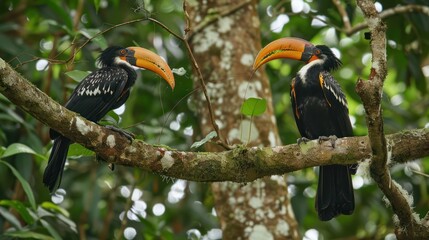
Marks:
<point>317,51</point>
<point>123,52</point>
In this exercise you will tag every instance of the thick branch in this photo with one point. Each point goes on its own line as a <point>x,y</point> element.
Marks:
<point>239,165</point>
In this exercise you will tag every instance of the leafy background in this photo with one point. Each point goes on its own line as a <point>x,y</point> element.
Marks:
<point>95,202</point>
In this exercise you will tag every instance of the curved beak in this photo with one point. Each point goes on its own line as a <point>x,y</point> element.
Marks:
<point>289,47</point>
<point>143,58</point>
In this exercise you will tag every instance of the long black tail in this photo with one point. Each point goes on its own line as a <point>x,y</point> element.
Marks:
<point>57,159</point>
<point>334,192</point>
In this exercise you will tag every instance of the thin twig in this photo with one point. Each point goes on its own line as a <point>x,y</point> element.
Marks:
<point>201,79</point>
<point>208,20</point>
<point>174,107</point>
<point>420,173</point>
<point>343,13</point>
<point>387,13</point>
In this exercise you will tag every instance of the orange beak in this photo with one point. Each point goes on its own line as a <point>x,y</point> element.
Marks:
<point>289,47</point>
<point>143,58</point>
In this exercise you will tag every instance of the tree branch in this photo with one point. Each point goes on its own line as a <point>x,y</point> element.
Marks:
<point>342,11</point>
<point>238,165</point>
<point>371,93</point>
<point>385,14</point>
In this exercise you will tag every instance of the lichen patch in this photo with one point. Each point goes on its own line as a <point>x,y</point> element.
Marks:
<point>282,228</point>
<point>225,24</point>
<point>260,232</point>
<point>246,59</point>
<point>255,202</point>
<point>81,126</point>
<point>110,141</point>
<point>167,160</point>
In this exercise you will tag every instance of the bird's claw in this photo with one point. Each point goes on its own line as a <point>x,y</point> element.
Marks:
<point>304,140</point>
<point>331,138</point>
<point>124,133</point>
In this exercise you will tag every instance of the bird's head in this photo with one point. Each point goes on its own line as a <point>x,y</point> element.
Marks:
<point>138,57</point>
<point>297,49</point>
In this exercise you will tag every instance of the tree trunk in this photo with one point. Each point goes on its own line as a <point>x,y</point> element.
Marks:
<point>225,37</point>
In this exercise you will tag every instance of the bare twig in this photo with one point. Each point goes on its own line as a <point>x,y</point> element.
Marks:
<point>202,82</point>
<point>77,49</point>
<point>387,13</point>
<point>221,13</point>
<point>187,22</point>
<point>350,30</point>
<point>343,13</point>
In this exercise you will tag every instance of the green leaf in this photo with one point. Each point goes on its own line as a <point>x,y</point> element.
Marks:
<point>17,148</point>
<point>10,218</point>
<point>25,234</point>
<point>24,183</point>
<point>77,75</point>
<point>50,229</point>
<point>53,207</point>
<point>254,106</point>
<point>209,136</point>
<point>20,208</point>
<point>49,209</point>
<point>97,5</point>
<point>78,150</point>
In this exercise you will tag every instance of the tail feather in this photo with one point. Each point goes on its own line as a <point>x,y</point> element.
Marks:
<point>334,192</point>
<point>57,159</point>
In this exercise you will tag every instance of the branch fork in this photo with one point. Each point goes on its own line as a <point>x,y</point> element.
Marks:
<point>370,93</point>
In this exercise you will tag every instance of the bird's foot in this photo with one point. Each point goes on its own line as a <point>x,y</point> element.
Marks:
<point>331,138</point>
<point>124,133</point>
<point>304,140</point>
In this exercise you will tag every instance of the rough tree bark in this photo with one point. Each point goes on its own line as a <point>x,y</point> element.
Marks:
<point>408,224</point>
<point>242,164</point>
<point>218,30</point>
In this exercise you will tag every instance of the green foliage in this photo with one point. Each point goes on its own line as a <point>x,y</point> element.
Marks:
<point>254,107</point>
<point>207,138</point>
<point>33,216</point>
<point>77,75</point>
<point>96,202</point>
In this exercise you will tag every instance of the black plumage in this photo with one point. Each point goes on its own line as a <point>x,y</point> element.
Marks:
<point>98,93</point>
<point>320,109</point>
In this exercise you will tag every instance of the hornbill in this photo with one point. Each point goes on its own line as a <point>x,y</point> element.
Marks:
<point>320,110</point>
<point>101,91</point>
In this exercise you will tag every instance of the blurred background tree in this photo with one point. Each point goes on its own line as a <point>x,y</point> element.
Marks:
<point>39,39</point>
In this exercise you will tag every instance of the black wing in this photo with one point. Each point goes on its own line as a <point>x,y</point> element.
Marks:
<point>296,113</point>
<point>99,92</point>
<point>335,190</point>
<point>337,104</point>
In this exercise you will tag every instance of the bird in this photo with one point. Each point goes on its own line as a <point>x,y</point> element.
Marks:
<point>321,112</point>
<point>101,91</point>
